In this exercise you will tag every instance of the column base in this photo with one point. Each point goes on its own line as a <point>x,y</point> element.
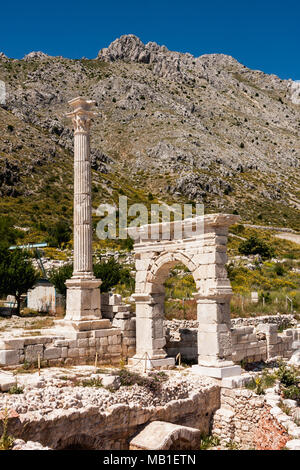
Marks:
<point>218,372</point>
<point>152,363</point>
<point>83,300</point>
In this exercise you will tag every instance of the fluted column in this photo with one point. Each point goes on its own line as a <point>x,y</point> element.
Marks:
<point>83,294</point>
<point>83,267</point>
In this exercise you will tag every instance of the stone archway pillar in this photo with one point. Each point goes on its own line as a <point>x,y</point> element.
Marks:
<point>214,337</point>
<point>150,334</point>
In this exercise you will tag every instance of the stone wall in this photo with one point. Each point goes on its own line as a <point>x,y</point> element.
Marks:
<point>112,307</point>
<point>118,341</point>
<point>113,429</point>
<point>114,343</point>
<point>183,341</point>
<point>247,420</point>
<point>57,349</point>
<point>282,321</point>
<point>249,343</point>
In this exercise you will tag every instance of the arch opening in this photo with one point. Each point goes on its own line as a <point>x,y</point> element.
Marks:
<point>179,288</point>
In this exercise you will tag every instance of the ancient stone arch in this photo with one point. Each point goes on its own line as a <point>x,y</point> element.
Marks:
<point>203,250</point>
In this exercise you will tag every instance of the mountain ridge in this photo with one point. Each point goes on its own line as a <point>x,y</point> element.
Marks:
<point>184,129</point>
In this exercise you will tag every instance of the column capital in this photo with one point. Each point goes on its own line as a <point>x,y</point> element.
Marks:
<point>82,114</point>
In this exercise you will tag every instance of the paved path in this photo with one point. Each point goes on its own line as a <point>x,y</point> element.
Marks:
<point>293,237</point>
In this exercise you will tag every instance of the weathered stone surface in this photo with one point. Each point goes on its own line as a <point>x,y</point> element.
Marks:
<point>9,357</point>
<point>294,444</point>
<point>33,351</point>
<point>157,255</point>
<point>6,382</point>
<point>111,381</point>
<point>10,344</point>
<point>160,435</point>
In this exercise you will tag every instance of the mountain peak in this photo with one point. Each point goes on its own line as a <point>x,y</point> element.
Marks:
<point>128,48</point>
<point>36,55</point>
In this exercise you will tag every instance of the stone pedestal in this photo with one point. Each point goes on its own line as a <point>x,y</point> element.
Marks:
<point>83,299</point>
<point>218,372</point>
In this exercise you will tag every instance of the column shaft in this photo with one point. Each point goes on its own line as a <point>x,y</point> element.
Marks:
<point>83,266</point>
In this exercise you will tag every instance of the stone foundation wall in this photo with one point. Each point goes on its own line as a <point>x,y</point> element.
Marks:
<point>54,350</point>
<point>61,346</point>
<point>118,342</point>
<point>282,321</point>
<point>245,419</point>
<point>249,343</point>
<point>114,428</point>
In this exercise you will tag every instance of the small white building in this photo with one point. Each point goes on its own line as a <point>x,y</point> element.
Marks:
<point>43,297</point>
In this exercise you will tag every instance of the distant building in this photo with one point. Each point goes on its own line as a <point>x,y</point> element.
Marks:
<point>44,298</point>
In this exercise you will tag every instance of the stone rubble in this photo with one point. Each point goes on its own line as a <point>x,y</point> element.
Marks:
<point>49,392</point>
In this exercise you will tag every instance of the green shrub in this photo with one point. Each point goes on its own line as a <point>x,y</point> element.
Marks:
<point>261,382</point>
<point>207,441</point>
<point>279,269</point>
<point>6,441</point>
<point>95,382</point>
<point>292,392</point>
<point>8,234</point>
<point>15,390</point>
<point>112,273</point>
<point>287,376</point>
<point>256,246</point>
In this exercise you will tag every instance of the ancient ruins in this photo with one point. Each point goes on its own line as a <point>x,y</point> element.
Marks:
<point>202,251</point>
<point>101,329</point>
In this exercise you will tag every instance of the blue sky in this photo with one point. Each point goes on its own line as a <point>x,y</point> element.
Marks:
<point>263,35</point>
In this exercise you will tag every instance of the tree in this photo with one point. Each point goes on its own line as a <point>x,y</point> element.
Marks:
<point>17,274</point>
<point>110,272</point>
<point>59,276</point>
<point>58,234</point>
<point>256,246</point>
<point>8,234</point>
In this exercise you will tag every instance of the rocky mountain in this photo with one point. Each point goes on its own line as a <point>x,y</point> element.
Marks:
<point>171,127</point>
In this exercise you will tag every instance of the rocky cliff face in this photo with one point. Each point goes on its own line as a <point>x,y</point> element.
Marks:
<point>203,129</point>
